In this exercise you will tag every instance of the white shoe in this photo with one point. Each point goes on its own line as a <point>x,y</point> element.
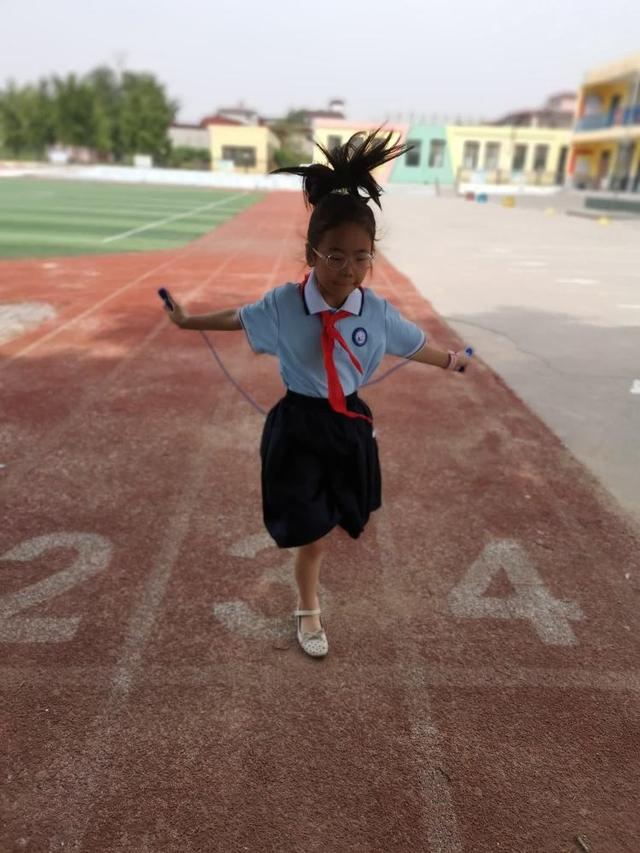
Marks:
<point>314,643</point>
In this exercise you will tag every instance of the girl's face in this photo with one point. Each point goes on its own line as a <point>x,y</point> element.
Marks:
<point>350,242</point>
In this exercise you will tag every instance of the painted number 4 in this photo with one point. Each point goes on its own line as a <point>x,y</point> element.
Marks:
<point>549,616</point>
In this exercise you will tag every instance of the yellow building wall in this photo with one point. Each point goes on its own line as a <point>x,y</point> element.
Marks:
<point>613,70</point>
<point>588,158</point>
<point>327,131</point>
<point>621,78</point>
<point>605,93</point>
<point>259,138</point>
<point>507,138</point>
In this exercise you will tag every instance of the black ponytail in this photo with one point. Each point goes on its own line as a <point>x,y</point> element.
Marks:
<point>333,190</point>
<point>349,167</point>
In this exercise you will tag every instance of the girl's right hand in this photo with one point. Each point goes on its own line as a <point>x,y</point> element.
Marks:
<point>176,316</point>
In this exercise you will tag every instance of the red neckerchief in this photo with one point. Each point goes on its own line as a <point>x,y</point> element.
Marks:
<point>328,339</point>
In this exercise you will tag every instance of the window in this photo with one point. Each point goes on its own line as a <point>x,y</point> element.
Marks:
<point>413,156</point>
<point>491,156</point>
<point>540,154</point>
<point>436,153</point>
<point>519,158</point>
<point>239,154</point>
<point>470,155</point>
<point>334,142</point>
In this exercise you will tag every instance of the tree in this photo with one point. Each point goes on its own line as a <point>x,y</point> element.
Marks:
<point>105,85</point>
<point>145,116</point>
<point>26,119</point>
<point>75,119</point>
<point>111,115</point>
<point>12,120</point>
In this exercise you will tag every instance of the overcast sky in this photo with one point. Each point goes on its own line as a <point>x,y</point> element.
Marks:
<point>472,58</point>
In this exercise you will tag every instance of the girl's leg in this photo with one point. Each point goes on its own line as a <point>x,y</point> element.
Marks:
<point>307,572</point>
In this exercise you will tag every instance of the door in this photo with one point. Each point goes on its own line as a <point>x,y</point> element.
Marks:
<point>562,165</point>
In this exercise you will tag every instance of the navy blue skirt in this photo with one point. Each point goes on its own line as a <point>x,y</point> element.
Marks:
<point>319,469</point>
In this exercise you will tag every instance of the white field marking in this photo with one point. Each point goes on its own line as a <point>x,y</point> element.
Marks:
<point>548,616</point>
<point>113,377</point>
<point>93,555</point>
<point>79,774</point>
<point>435,675</point>
<point>559,678</point>
<point>628,305</point>
<point>577,281</point>
<point>250,546</point>
<point>17,318</point>
<point>177,256</point>
<point>88,311</point>
<point>170,219</point>
<point>238,617</point>
<point>635,387</point>
<point>81,767</point>
<point>142,620</point>
<point>530,264</point>
<point>438,814</point>
<point>106,211</point>
<point>410,675</point>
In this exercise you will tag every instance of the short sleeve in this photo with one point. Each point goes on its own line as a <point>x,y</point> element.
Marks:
<point>260,322</point>
<point>403,337</point>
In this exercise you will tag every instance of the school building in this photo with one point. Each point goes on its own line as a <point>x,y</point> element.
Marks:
<point>236,146</point>
<point>449,155</point>
<point>605,150</point>
<point>591,141</point>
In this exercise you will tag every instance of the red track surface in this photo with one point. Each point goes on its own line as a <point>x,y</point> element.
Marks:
<point>481,690</point>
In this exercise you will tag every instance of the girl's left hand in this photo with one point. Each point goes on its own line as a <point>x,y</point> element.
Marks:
<point>463,360</point>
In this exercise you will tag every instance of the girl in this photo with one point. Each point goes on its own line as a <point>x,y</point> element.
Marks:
<point>318,450</point>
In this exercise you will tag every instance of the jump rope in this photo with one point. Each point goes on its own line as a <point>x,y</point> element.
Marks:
<point>163,293</point>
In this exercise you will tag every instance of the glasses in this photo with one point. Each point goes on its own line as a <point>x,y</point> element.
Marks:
<point>337,261</point>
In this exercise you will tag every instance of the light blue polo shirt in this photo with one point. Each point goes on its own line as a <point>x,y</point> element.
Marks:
<point>287,324</point>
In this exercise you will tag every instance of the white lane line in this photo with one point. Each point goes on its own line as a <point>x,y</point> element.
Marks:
<point>439,809</point>
<point>57,329</point>
<point>170,219</point>
<point>627,305</point>
<point>576,281</point>
<point>100,677</point>
<point>635,387</point>
<point>80,771</point>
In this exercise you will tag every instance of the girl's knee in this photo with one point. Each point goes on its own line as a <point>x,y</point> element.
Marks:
<point>314,549</point>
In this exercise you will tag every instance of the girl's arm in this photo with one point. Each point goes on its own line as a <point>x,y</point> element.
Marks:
<point>221,321</point>
<point>227,320</point>
<point>438,357</point>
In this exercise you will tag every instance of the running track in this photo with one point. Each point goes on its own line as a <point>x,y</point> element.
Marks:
<point>482,688</point>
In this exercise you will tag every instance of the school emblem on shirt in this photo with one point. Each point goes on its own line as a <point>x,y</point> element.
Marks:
<point>359,336</point>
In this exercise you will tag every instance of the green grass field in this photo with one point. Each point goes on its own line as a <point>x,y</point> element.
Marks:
<point>41,218</point>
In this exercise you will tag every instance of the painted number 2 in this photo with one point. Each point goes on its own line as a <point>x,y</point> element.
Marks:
<point>93,555</point>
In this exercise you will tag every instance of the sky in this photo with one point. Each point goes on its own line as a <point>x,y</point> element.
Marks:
<point>405,59</point>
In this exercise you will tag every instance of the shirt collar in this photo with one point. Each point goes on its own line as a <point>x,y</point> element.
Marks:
<point>315,300</point>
